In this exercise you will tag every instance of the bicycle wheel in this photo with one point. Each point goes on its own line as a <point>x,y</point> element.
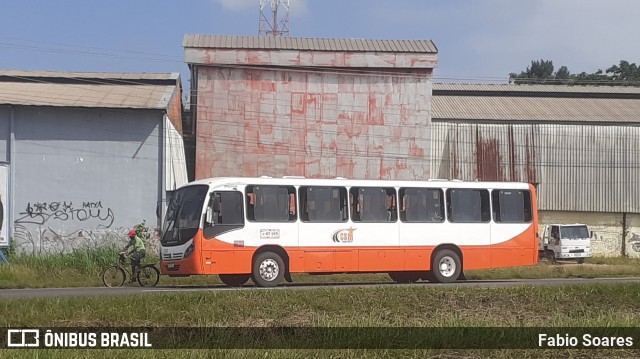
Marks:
<point>113,276</point>
<point>148,276</point>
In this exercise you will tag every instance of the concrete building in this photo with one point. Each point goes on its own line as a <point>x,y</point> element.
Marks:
<point>310,107</point>
<point>579,144</point>
<point>85,156</point>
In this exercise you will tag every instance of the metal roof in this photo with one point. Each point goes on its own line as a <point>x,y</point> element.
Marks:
<point>546,103</point>
<point>507,88</point>
<point>90,75</point>
<point>104,90</point>
<point>308,44</point>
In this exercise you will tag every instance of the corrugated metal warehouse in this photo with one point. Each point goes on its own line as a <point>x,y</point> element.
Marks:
<point>368,109</point>
<point>310,107</point>
<point>579,144</point>
<point>86,156</point>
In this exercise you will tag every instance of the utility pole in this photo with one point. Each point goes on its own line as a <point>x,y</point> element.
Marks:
<point>274,18</point>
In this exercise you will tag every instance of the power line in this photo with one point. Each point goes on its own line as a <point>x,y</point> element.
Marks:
<point>147,56</point>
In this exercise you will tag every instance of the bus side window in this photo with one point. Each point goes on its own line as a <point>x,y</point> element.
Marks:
<point>422,205</point>
<point>373,204</point>
<point>323,204</point>
<point>224,213</point>
<point>511,206</point>
<point>271,203</point>
<point>468,205</point>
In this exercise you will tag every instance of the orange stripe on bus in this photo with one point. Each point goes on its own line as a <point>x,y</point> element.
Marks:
<point>213,256</point>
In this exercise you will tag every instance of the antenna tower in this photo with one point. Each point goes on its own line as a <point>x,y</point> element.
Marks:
<point>274,18</point>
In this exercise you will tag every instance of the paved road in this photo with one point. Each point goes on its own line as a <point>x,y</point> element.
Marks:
<point>77,292</point>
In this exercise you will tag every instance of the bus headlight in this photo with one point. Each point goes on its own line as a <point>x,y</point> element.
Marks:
<point>188,251</point>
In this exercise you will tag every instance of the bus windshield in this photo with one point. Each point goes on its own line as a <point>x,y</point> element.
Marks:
<point>183,215</point>
<point>576,232</point>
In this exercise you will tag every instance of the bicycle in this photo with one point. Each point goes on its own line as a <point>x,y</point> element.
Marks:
<point>115,275</point>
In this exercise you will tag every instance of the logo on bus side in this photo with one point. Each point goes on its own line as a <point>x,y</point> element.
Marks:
<point>344,235</point>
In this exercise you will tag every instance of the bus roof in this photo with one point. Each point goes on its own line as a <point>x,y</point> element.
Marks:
<point>301,181</point>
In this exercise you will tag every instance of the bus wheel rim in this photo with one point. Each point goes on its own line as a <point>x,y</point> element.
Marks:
<point>447,266</point>
<point>269,269</point>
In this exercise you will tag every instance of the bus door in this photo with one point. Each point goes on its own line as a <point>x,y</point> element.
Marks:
<point>222,229</point>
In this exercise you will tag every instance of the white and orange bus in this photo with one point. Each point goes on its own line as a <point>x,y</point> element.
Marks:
<point>267,228</point>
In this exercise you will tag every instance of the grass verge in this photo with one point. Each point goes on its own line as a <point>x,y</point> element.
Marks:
<point>601,305</point>
<point>82,269</point>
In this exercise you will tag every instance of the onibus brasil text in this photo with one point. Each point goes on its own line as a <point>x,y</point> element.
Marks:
<point>34,338</point>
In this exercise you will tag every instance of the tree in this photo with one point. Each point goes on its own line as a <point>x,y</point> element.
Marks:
<point>624,72</point>
<point>541,72</point>
<point>562,73</point>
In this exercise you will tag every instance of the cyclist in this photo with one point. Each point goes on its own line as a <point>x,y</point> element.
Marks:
<point>137,252</point>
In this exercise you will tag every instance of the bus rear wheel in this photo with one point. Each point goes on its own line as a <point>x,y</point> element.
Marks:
<point>234,280</point>
<point>446,266</point>
<point>405,277</point>
<point>268,269</point>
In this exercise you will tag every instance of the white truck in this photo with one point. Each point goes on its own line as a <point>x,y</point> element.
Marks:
<point>565,242</point>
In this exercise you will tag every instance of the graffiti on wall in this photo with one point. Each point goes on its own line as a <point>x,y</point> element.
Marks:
<point>40,213</point>
<point>605,242</point>
<point>64,226</point>
<point>635,242</point>
<point>42,240</point>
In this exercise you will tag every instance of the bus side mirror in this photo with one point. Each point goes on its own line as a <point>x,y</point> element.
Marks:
<point>591,234</point>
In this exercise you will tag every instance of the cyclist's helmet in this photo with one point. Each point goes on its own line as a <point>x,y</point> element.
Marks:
<point>131,233</point>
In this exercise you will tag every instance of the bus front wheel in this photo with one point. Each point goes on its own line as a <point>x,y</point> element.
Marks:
<point>268,269</point>
<point>446,266</point>
<point>234,280</point>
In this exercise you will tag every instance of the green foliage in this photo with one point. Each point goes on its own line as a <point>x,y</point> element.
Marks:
<point>142,230</point>
<point>84,261</point>
<point>10,251</point>
<point>541,72</point>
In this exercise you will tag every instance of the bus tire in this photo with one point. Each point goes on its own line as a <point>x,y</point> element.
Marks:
<point>234,280</point>
<point>268,269</point>
<point>446,266</point>
<point>580,260</point>
<point>405,277</point>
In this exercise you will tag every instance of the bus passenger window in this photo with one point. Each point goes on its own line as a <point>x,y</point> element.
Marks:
<point>511,206</point>
<point>421,205</point>
<point>224,213</point>
<point>270,203</point>
<point>373,204</point>
<point>323,204</point>
<point>468,205</point>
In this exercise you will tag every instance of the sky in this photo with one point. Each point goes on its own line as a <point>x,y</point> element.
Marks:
<point>478,41</point>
